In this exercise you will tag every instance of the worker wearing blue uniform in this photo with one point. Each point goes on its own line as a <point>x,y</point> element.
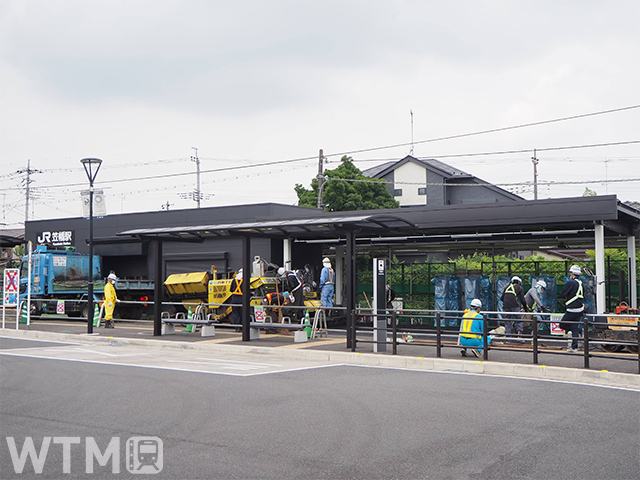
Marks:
<point>327,281</point>
<point>471,329</point>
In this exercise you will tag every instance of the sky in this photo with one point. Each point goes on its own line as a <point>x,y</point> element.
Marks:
<point>255,88</point>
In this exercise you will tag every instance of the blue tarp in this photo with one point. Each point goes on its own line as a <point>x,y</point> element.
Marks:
<point>501,284</point>
<point>480,288</point>
<point>448,296</point>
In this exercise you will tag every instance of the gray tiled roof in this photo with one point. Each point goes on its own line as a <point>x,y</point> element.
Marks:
<point>431,164</point>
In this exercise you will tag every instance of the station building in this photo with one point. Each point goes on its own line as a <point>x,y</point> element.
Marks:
<point>155,244</point>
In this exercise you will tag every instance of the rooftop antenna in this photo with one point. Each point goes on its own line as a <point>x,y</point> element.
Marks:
<point>411,151</point>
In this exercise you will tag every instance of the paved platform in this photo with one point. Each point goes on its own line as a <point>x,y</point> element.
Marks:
<point>277,351</point>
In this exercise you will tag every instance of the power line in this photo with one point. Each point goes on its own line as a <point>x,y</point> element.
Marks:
<point>483,183</point>
<point>493,130</point>
<point>384,147</point>
<point>279,162</point>
<point>548,149</point>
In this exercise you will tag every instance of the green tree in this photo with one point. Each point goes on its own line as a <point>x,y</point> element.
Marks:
<point>346,188</point>
<point>589,193</point>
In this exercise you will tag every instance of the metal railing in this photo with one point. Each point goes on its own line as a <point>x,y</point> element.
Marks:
<point>611,333</point>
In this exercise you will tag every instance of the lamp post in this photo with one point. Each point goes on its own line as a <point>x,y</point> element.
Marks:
<point>91,167</point>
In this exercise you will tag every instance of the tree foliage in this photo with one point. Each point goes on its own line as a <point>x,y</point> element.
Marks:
<point>339,195</point>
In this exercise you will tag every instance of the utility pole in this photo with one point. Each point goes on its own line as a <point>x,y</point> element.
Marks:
<point>320,178</point>
<point>27,182</point>
<point>197,160</point>
<point>535,175</point>
<point>411,151</point>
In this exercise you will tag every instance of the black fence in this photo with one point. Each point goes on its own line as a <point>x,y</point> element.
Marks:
<point>414,283</point>
<point>602,336</point>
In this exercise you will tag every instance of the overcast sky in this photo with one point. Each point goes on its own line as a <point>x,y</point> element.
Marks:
<point>138,83</point>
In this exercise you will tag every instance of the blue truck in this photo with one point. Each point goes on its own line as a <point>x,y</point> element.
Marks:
<point>62,276</point>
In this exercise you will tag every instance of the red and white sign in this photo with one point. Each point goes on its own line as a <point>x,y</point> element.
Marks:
<point>11,287</point>
<point>554,326</point>
<point>60,307</point>
<point>260,315</point>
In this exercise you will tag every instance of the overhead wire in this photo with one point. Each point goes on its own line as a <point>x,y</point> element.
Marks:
<point>351,152</point>
<point>277,162</point>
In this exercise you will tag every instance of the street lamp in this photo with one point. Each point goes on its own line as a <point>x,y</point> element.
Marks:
<point>91,167</point>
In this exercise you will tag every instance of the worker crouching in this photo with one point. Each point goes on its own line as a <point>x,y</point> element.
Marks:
<point>471,329</point>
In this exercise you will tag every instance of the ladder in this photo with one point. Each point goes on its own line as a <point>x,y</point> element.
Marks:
<point>319,328</point>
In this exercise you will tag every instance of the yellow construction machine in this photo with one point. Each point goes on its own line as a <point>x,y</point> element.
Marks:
<point>214,293</point>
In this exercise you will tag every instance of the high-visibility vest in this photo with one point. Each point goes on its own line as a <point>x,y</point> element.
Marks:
<point>578,295</point>
<point>278,297</point>
<point>467,322</point>
<point>330,275</point>
<point>511,289</point>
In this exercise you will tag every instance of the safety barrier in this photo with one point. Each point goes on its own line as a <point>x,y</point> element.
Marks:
<point>431,327</point>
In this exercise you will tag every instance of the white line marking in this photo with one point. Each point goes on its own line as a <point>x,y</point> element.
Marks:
<point>231,366</point>
<point>110,354</point>
<point>238,361</point>
<point>160,367</point>
<point>9,353</point>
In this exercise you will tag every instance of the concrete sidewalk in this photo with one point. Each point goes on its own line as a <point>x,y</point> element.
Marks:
<point>330,350</point>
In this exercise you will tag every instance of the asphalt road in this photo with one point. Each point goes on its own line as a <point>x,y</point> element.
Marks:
<point>305,420</point>
<point>623,362</point>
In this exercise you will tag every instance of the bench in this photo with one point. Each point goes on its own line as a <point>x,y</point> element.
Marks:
<point>208,329</point>
<point>299,336</point>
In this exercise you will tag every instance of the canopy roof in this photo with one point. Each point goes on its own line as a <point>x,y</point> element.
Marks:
<point>515,223</point>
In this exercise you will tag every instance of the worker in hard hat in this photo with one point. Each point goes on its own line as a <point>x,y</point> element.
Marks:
<point>534,303</point>
<point>293,285</point>
<point>327,282</point>
<point>513,301</point>
<point>278,300</point>
<point>573,293</point>
<point>110,300</point>
<point>471,329</point>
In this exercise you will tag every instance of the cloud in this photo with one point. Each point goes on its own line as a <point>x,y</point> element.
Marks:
<point>250,80</point>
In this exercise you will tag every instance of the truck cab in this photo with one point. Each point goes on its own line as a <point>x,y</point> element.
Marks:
<point>59,276</point>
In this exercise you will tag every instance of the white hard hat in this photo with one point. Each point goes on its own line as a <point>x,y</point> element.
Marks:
<point>515,278</point>
<point>112,276</point>
<point>476,303</point>
<point>281,271</point>
<point>541,283</point>
<point>326,260</point>
<point>575,269</point>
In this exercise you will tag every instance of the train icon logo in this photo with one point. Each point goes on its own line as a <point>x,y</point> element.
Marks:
<point>144,455</point>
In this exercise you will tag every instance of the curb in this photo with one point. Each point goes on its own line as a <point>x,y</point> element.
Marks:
<point>512,370</point>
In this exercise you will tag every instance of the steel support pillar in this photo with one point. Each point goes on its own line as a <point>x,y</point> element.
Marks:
<point>339,274</point>
<point>633,280</point>
<point>158,289</point>
<point>286,253</point>
<point>246,287</point>
<point>350,264</point>
<point>601,294</point>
